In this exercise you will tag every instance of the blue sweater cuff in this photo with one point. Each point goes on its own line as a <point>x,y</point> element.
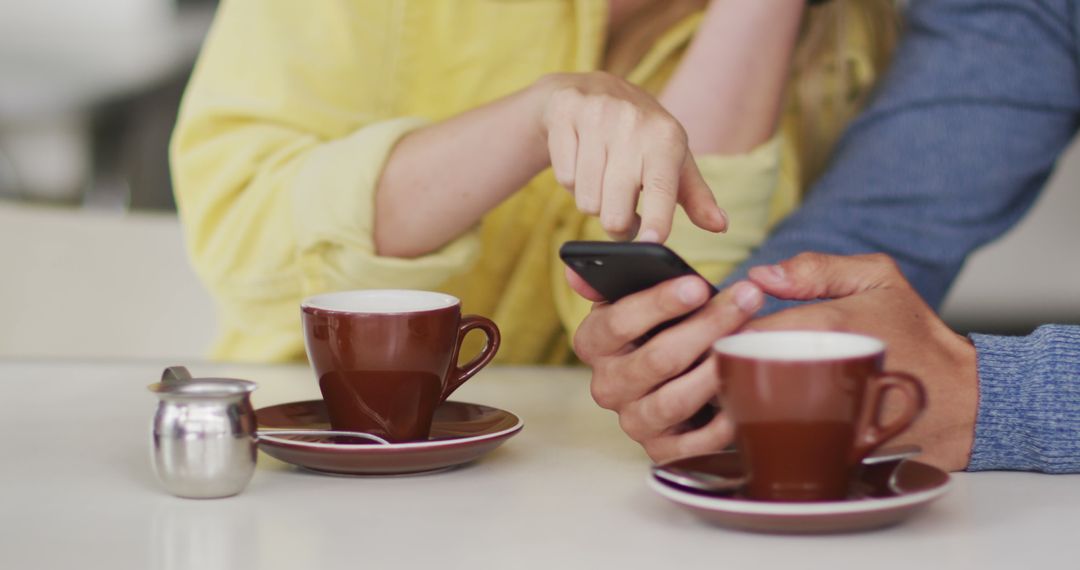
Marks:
<point>1029,401</point>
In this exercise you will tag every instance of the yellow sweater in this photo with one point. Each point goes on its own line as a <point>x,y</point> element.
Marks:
<point>294,107</point>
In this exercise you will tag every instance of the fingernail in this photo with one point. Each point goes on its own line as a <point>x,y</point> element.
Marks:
<point>649,235</point>
<point>774,274</point>
<point>690,292</point>
<point>722,215</point>
<point>747,297</point>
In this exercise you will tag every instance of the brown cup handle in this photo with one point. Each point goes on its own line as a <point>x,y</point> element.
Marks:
<point>462,373</point>
<point>871,433</point>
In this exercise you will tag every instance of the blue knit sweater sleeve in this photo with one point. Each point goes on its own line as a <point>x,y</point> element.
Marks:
<point>982,97</point>
<point>1029,401</point>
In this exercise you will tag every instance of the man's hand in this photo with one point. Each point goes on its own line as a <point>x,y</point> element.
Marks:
<point>870,296</point>
<point>659,386</point>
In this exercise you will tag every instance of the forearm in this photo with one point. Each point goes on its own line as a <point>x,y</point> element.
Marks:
<point>441,180</point>
<point>729,86</point>
<point>955,147</point>
<point>1029,401</point>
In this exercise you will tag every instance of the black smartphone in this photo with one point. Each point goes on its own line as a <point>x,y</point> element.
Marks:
<point>618,269</point>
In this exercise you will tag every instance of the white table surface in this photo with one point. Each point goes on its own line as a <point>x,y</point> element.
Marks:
<point>77,491</point>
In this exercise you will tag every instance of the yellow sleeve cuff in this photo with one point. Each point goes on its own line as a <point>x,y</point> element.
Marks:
<point>334,204</point>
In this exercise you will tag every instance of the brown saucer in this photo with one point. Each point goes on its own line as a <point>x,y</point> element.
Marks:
<point>887,494</point>
<point>460,433</point>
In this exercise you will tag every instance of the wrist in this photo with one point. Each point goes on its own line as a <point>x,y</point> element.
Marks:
<point>538,96</point>
<point>963,403</point>
<point>534,102</point>
<point>531,105</point>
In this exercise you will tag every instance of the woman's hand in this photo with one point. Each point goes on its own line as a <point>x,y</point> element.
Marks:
<point>610,141</point>
<point>607,140</point>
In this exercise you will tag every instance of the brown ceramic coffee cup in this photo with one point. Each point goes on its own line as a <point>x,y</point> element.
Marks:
<point>807,408</point>
<point>385,359</point>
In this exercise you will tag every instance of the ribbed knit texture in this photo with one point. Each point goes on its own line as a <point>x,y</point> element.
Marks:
<point>1029,401</point>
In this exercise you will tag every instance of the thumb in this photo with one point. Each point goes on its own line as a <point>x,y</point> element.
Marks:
<point>696,198</point>
<point>581,287</point>
<point>820,276</point>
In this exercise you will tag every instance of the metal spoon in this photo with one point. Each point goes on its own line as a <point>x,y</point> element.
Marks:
<point>892,453</point>
<point>180,374</point>
<point>713,483</point>
<point>322,432</point>
<point>698,480</point>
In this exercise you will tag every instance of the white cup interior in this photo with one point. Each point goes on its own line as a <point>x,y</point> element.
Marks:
<point>381,301</point>
<point>799,346</point>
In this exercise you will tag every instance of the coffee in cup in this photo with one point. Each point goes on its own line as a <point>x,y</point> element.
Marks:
<point>385,359</point>
<point>807,408</point>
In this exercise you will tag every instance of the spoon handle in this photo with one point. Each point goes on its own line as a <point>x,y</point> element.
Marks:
<point>175,374</point>
<point>892,453</point>
<point>698,479</point>
<point>322,432</point>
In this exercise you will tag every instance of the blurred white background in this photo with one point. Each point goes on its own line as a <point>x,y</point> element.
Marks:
<point>1032,275</point>
<point>93,260</point>
<point>88,95</point>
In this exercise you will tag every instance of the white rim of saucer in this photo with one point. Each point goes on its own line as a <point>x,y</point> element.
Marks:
<point>744,507</point>
<point>398,446</point>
